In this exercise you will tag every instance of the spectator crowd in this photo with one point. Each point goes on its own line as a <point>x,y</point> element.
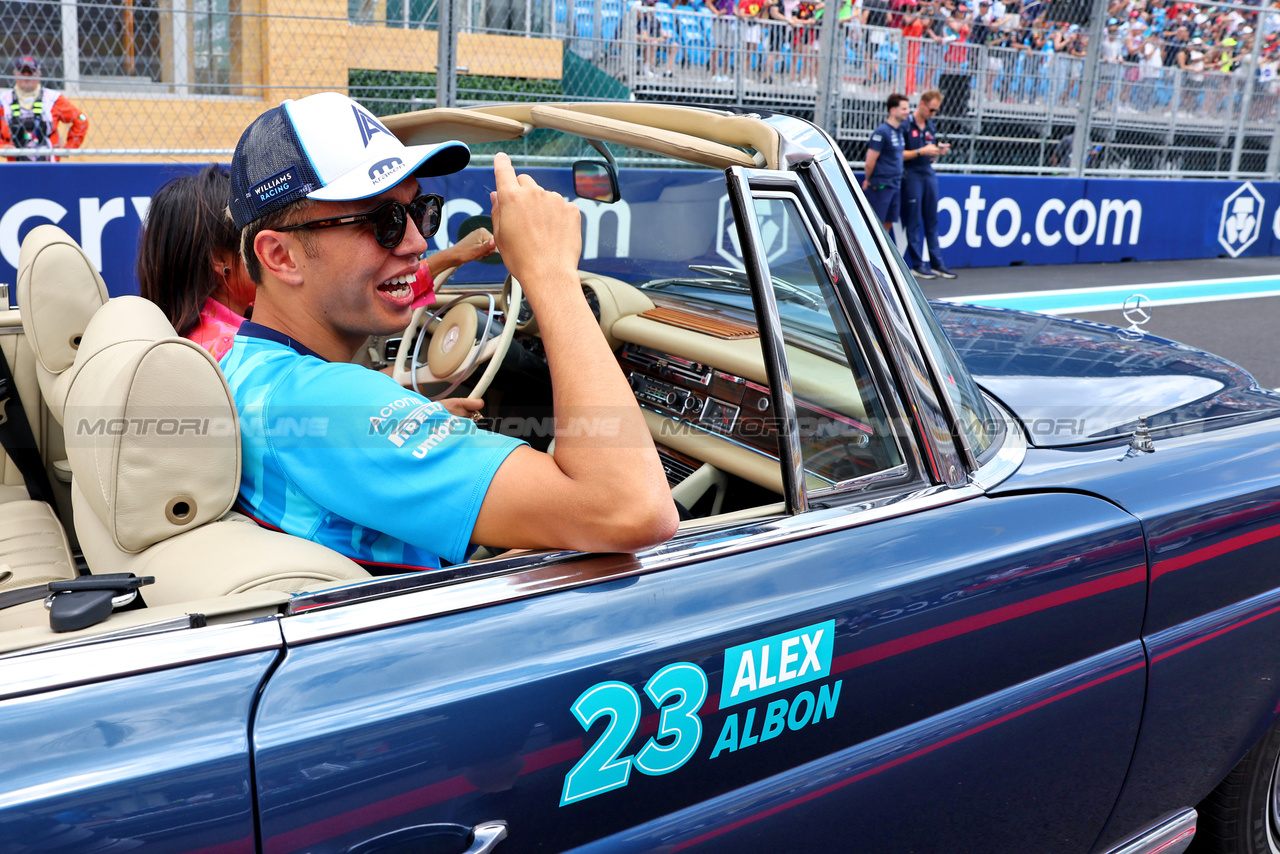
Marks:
<point>1006,47</point>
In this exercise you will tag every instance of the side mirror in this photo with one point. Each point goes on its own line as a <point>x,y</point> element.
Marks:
<point>596,181</point>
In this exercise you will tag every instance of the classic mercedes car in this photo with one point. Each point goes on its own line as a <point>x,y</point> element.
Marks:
<point>947,578</point>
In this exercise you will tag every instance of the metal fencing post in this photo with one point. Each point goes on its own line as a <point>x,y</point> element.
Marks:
<point>597,31</point>
<point>1273,152</point>
<point>181,48</point>
<point>1088,89</point>
<point>446,56</point>
<point>829,87</point>
<point>1250,82</point>
<point>70,47</point>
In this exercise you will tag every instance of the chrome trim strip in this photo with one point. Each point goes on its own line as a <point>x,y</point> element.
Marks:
<point>45,669</point>
<point>534,575</point>
<point>1010,456</point>
<point>1170,836</point>
<point>169,625</point>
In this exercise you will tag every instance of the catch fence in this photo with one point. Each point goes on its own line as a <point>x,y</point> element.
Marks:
<point>178,79</point>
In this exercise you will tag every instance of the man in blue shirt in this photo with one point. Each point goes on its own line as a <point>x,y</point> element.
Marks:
<point>920,188</point>
<point>344,456</point>
<point>882,184</point>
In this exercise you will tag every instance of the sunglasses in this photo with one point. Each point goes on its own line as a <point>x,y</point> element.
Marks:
<point>389,219</point>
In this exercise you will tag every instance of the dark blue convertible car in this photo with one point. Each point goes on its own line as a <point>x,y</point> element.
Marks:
<point>948,578</point>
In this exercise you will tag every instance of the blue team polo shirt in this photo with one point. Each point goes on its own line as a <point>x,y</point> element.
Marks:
<point>344,456</point>
<point>887,140</point>
<point>912,138</point>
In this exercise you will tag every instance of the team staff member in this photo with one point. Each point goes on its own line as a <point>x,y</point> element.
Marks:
<point>920,188</point>
<point>883,180</point>
<point>332,223</point>
<point>30,114</point>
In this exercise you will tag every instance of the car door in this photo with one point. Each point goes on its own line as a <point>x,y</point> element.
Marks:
<point>137,740</point>
<point>893,662</point>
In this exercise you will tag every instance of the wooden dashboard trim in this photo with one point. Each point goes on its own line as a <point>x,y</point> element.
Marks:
<point>717,327</point>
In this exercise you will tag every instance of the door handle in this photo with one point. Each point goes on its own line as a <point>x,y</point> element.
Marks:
<point>481,839</point>
<point>487,836</point>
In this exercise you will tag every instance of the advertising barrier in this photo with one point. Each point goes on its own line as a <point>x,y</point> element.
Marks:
<point>983,221</point>
<point>995,221</point>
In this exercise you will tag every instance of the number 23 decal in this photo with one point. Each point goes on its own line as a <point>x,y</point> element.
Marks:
<point>603,768</point>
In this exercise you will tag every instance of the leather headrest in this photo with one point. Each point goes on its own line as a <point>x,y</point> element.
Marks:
<point>151,428</point>
<point>58,292</point>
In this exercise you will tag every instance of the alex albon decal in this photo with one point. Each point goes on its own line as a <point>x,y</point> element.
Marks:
<point>751,671</point>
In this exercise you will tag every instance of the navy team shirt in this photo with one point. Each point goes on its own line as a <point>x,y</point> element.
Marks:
<point>887,140</point>
<point>913,137</point>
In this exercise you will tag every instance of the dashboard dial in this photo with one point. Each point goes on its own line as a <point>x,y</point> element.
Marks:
<point>593,300</point>
<point>525,315</point>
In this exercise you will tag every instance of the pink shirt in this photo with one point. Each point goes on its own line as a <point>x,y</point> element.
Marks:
<point>217,326</point>
<point>424,287</point>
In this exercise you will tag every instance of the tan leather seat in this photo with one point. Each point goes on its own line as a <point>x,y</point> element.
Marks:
<point>33,546</point>
<point>154,445</point>
<point>58,291</point>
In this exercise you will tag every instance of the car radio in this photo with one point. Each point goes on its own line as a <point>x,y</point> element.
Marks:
<point>664,395</point>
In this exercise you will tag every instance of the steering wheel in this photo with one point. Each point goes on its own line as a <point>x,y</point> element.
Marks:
<point>455,349</point>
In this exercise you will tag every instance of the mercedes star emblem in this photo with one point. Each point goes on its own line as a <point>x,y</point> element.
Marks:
<point>1137,310</point>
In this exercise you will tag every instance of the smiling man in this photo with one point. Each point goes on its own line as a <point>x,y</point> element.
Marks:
<point>333,223</point>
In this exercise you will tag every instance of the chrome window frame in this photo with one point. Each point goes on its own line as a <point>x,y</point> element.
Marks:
<point>787,186</point>
<point>742,199</point>
<point>948,461</point>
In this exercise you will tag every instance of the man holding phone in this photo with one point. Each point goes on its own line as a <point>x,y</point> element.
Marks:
<point>920,188</point>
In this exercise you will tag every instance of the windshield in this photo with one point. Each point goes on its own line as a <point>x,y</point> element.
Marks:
<point>672,235</point>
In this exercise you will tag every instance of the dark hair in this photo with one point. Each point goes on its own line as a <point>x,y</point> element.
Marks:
<point>292,213</point>
<point>894,100</point>
<point>186,224</point>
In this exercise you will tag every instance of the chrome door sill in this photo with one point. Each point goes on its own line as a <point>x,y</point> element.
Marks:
<point>1170,835</point>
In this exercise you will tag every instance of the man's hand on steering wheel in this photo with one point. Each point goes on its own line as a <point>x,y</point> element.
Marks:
<point>463,407</point>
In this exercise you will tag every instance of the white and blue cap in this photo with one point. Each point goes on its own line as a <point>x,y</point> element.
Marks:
<point>325,147</point>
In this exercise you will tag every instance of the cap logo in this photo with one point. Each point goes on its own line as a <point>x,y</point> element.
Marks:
<point>279,184</point>
<point>379,171</point>
<point>368,125</point>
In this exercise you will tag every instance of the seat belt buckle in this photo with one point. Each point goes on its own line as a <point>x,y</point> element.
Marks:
<point>77,603</point>
<point>5,304</point>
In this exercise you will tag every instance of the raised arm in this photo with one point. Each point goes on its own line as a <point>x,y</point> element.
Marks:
<point>604,490</point>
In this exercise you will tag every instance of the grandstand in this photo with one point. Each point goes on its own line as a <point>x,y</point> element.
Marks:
<point>178,78</point>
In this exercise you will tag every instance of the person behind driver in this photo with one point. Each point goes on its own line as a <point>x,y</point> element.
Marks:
<point>332,222</point>
<point>189,264</point>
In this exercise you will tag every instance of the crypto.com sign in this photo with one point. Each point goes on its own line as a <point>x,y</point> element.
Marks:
<point>1241,221</point>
